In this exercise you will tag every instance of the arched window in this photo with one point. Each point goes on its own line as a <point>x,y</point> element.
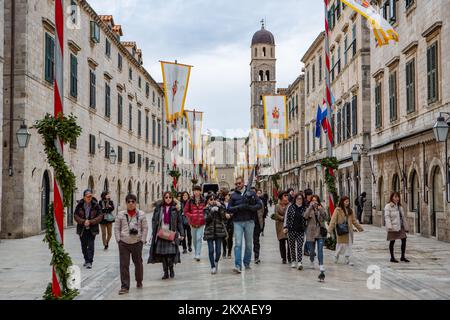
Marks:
<point>271,52</point>
<point>438,199</point>
<point>159,191</point>
<point>267,75</point>
<point>91,184</point>
<point>256,52</point>
<point>264,51</point>
<point>261,75</point>
<point>130,187</point>
<point>106,185</point>
<point>45,198</point>
<point>153,193</point>
<point>146,193</point>
<point>396,183</point>
<point>119,194</point>
<point>381,202</point>
<point>414,203</point>
<point>138,193</point>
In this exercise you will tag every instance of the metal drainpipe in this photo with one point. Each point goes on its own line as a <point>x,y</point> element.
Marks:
<point>11,93</point>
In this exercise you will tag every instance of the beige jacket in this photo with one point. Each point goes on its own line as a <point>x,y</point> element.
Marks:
<point>339,216</point>
<point>392,217</point>
<point>122,227</point>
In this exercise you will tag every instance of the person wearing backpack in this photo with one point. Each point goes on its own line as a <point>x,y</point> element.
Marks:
<point>295,227</point>
<point>316,232</point>
<point>343,221</point>
<point>359,203</point>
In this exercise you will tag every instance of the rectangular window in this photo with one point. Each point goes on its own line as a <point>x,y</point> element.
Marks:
<point>119,154</point>
<point>95,32</point>
<point>107,100</point>
<point>378,123</point>
<point>432,73</point>
<point>73,76</point>
<point>345,50</point>
<point>108,48</point>
<point>153,97</point>
<point>332,67</point>
<point>393,10</point>
<point>130,73</point>
<point>348,120</point>
<point>333,122</point>
<point>338,9</point>
<point>338,127</point>
<point>409,3</point>
<point>159,133</point>
<point>140,82</point>
<point>313,135</point>
<point>107,149</point>
<point>147,90</point>
<point>154,131</point>
<point>354,40</point>
<point>119,61</point>
<point>91,144</point>
<point>354,115</point>
<point>92,90</point>
<point>49,58</point>
<point>410,86</point>
<point>120,109</point>
<point>344,122</point>
<point>307,82</point>
<point>393,96</point>
<point>147,129</point>
<point>139,161</point>
<point>139,123</point>
<point>320,69</point>
<point>313,76</point>
<point>338,63</point>
<point>130,117</point>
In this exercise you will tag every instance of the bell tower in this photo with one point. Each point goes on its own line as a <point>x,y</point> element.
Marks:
<point>263,73</point>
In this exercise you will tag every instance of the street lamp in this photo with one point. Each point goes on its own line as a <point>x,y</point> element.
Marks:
<point>23,136</point>
<point>356,153</point>
<point>152,166</point>
<point>112,156</point>
<point>441,129</point>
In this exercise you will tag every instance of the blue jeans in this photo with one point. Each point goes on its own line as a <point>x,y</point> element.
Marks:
<point>312,250</point>
<point>243,229</point>
<point>197,238</point>
<point>217,243</point>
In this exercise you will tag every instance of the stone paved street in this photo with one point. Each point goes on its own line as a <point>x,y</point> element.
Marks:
<point>24,273</point>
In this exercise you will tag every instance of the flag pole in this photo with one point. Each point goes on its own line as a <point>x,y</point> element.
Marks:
<point>58,112</point>
<point>328,101</point>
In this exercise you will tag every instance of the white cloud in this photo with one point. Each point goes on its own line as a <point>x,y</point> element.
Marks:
<point>214,37</point>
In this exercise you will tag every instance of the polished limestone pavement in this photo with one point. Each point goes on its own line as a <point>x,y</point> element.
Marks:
<point>25,271</point>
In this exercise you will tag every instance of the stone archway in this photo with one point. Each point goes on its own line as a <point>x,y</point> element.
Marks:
<point>437,199</point>
<point>414,199</point>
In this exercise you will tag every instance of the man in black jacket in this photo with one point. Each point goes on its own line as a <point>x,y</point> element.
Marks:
<point>243,207</point>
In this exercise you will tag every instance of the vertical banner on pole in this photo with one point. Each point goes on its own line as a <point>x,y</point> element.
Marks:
<point>275,116</point>
<point>58,112</point>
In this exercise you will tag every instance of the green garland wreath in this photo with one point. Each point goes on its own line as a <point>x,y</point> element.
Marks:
<point>66,129</point>
<point>330,181</point>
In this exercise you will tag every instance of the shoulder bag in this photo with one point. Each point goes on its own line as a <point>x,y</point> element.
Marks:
<point>342,228</point>
<point>166,234</point>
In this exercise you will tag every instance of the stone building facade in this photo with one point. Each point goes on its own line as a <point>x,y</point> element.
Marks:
<point>2,61</point>
<point>118,105</point>
<point>409,83</point>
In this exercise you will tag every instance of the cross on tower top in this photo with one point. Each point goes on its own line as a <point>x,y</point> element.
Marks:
<point>263,23</point>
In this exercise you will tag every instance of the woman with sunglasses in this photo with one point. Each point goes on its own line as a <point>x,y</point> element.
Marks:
<point>167,224</point>
<point>215,230</point>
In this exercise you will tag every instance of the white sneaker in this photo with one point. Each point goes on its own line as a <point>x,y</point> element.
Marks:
<point>299,266</point>
<point>322,268</point>
<point>293,265</point>
<point>213,271</point>
<point>347,261</point>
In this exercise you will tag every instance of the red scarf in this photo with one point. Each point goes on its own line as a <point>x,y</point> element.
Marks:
<point>166,214</point>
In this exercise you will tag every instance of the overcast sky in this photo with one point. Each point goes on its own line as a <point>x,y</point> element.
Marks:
<point>215,37</point>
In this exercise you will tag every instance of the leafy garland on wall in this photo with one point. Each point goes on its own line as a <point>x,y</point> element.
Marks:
<point>175,174</point>
<point>330,181</point>
<point>66,129</point>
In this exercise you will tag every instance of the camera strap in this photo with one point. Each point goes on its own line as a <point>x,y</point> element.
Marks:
<point>128,219</point>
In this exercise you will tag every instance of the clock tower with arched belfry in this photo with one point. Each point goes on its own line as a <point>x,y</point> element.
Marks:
<point>263,72</point>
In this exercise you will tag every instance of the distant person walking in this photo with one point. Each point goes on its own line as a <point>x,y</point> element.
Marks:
<point>396,225</point>
<point>316,231</point>
<point>131,232</point>
<point>259,225</point>
<point>187,241</point>
<point>280,212</point>
<point>295,227</point>
<point>228,241</point>
<point>308,196</point>
<point>194,210</point>
<point>88,216</point>
<point>106,225</point>
<point>215,230</point>
<point>360,202</point>
<point>343,221</point>
<point>167,232</point>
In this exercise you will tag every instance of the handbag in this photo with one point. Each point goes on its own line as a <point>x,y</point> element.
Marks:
<point>110,217</point>
<point>166,234</point>
<point>322,230</point>
<point>342,228</point>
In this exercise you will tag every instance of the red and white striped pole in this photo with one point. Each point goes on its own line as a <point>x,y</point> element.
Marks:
<point>58,110</point>
<point>328,101</point>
